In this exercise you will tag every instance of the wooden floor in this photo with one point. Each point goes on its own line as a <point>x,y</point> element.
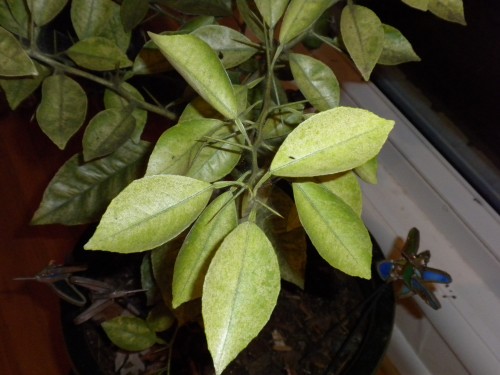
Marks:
<point>30,334</point>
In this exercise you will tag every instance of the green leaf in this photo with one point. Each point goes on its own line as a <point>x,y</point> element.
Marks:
<point>301,15</point>
<point>98,53</point>
<point>149,212</point>
<point>363,36</point>
<point>14,16</point>
<point>114,30</point>
<point>14,61</point>
<point>44,11</point>
<point>285,233</point>
<point>217,8</point>
<point>90,17</point>
<point>19,88</point>
<point>106,132</point>
<point>316,81</point>
<point>132,12</point>
<point>79,193</point>
<point>417,4</point>
<point>250,19</point>
<point>206,235</point>
<point>113,100</point>
<point>62,109</point>
<point>178,146</point>
<point>368,171</point>
<point>240,291</point>
<point>160,318</point>
<point>232,47</point>
<point>201,68</point>
<point>129,333</point>
<point>449,10</point>
<point>195,23</point>
<point>336,231</point>
<point>271,11</point>
<point>345,186</point>
<point>397,49</point>
<point>332,141</point>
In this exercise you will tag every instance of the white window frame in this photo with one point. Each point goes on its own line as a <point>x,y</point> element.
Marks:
<point>418,188</point>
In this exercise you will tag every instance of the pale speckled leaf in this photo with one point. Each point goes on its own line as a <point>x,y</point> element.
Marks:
<point>397,49</point>
<point>106,132</point>
<point>204,238</point>
<point>149,212</point>
<point>368,171</point>
<point>346,187</point>
<point>316,81</point>
<point>62,109</point>
<point>449,10</point>
<point>332,141</point>
<point>44,11</point>
<point>14,61</point>
<point>336,231</point>
<point>239,294</point>
<point>232,47</point>
<point>201,68</point>
<point>80,192</point>
<point>363,36</point>
<point>301,15</point>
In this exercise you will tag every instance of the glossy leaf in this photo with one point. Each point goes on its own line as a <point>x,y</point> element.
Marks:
<point>330,142</point>
<point>62,109</point>
<point>18,89</point>
<point>14,61</point>
<point>449,10</point>
<point>204,238</point>
<point>363,36</point>
<point>177,147</point>
<point>14,17</point>
<point>113,100</point>
<point>132,13</point>
<point>397,49</point>
<point>129,333</point>
<point>44,11</point>
<point>240,291</point>
<point>417,4</point>
<point>98,53</point>
<point>271,11</point>
<point>316,81</point>
<point>368,171</point>
<point>346,187</point>
<point>301,15</point>
<point>106,132</point>
<point>149,212</point>
<point>201,68</point>
<point>90,17</point>
<point>232,46</point>
<point>336,231</point>
<point>79,193</point>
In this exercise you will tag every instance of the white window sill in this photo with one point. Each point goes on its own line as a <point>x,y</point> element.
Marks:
<point>418,188</point>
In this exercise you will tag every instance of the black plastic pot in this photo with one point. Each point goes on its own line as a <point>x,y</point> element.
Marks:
<point>354,345</point>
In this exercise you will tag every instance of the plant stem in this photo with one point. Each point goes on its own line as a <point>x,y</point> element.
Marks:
<point>103,82</point>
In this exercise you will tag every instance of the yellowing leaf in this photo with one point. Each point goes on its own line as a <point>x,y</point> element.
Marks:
<point>363,37</point>
<point>129,333</point>
<point>240,291</point>
<point>149,212</point>
<point>329,142</point>
<point>98,53</point>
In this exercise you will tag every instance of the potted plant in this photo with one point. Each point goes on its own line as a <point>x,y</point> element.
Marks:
<point>210,193</point>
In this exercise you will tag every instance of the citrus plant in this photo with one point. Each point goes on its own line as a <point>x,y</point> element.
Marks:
<point>207,202</point>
